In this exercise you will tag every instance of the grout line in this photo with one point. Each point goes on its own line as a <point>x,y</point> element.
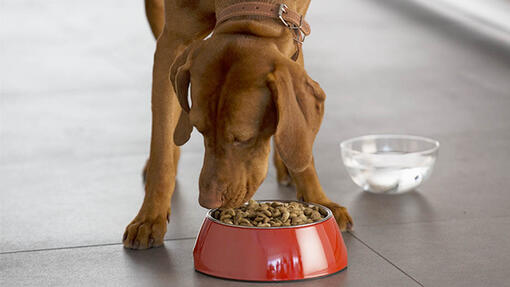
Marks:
<point>188,238</point>
<point>435,221</point>
<point>58,248</point>
<point>178,239</point>
<point>386,259</point>
<point>82,246</point>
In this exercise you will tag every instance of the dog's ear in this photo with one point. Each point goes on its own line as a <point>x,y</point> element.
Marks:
<point>180,78</point>
<point>299,103</point>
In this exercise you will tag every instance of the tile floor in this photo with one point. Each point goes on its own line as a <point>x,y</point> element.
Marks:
<point>74,135</point>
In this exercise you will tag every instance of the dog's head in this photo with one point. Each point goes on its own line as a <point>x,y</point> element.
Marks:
<point>243,91</point>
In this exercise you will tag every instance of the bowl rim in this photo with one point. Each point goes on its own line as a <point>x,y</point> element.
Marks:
<point>435,143</point>
<point>328,216</point>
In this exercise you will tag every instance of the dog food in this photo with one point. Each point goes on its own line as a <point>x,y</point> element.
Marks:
<point>271,214</point>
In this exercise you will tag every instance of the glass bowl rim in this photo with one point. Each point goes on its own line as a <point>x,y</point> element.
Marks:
<point>435,143</point>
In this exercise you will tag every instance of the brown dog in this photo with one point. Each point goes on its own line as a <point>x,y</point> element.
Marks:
<point>245,89</point>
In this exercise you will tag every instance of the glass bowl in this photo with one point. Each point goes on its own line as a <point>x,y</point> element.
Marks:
<point>389,164</point>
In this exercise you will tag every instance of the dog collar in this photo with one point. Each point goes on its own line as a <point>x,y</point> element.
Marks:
<point>287,17</point>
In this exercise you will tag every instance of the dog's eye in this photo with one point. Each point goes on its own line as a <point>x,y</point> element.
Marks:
<point>240,141</point>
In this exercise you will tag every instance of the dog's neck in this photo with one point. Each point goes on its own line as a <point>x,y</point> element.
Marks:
<point>262,26</point>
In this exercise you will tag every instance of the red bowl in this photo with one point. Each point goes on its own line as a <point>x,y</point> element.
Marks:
<point>270,253</point>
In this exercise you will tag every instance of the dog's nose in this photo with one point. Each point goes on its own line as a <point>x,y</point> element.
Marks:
<point>210,199</point>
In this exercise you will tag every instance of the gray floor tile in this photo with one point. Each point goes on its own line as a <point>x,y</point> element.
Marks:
<point>68,46</point>
<point>171,265</point>
<point>466,181</point>
<point>73,127</point>
<point>448,253</point>
<point>91,202</point>
<point>401,69</point>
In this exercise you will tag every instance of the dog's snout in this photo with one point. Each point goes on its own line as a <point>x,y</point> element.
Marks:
<point>209,203</point>
<point>210,199</point>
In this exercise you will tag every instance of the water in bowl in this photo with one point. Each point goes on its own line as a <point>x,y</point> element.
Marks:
<point>389,172</point>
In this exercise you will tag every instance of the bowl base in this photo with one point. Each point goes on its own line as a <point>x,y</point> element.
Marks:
<point>276,280</point>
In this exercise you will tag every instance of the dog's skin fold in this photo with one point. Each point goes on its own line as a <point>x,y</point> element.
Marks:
<point>245,89</point>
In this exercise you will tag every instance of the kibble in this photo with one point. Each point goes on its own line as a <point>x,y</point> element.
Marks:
<point>271,214</point>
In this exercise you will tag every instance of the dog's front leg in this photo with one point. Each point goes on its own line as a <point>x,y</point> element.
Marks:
<point>184,24</point>
<point>149,226</point>
<point>310,190</point>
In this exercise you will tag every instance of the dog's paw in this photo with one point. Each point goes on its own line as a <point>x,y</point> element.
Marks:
<point>285,180</point>
<point>283,177</point>
<point>282,174</point>
<point>145,232</point>
<point>341,215</point>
